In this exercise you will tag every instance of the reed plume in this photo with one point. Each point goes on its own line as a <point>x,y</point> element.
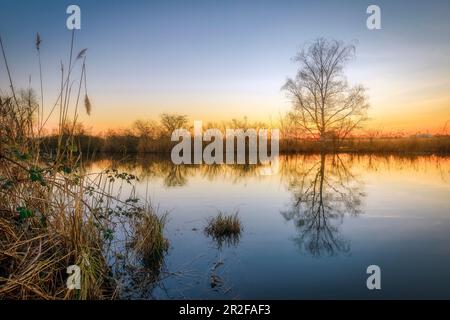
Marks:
<point>87,105</point>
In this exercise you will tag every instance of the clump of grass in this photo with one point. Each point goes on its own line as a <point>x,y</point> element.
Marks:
<point>148,240</point>
<point>224,228</point>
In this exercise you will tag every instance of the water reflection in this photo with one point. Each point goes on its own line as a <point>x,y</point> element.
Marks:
<point>323,188</point>
<point>323,192</point>
<point>403,198</point>
<point>156,166</point>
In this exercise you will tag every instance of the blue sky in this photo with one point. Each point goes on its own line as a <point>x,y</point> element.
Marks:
<point>222,59</point>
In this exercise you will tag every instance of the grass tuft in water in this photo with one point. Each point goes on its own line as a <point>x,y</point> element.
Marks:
<point>224,228</point>
<point>149,241</point>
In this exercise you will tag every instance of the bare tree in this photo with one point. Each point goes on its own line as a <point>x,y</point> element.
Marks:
<point>324,105</point>
<point>147,129</point>
<point>171,122</point>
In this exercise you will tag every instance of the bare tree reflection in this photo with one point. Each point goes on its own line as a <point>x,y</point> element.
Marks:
<point>324,191</point>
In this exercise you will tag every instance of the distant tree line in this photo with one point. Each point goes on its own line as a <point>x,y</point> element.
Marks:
<point>144,136</point>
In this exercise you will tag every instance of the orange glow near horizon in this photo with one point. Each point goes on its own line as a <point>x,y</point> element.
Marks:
<point>385,115</point>
<point>402,103</point>
<point>433,118</point>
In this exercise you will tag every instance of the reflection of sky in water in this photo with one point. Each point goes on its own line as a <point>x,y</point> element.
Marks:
<point>311,230</point>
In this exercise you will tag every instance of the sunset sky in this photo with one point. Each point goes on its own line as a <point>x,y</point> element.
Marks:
<point>217,60</point>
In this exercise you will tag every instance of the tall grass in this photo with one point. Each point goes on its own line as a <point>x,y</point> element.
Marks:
<point>148,240</point>
<point>393,145</point>
<point>53,213</point>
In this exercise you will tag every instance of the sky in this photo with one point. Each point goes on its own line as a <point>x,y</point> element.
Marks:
<point>218,60</point>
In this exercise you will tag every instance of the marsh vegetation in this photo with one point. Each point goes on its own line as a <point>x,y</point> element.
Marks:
<point>53,213</point>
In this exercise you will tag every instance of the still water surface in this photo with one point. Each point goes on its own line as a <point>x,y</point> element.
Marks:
<point>310,229</point>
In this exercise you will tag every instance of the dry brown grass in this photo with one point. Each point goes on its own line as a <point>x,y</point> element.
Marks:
<point>394,145</point>
<point>53,213</point>
<point>148,238</point>
<point>224,229</point>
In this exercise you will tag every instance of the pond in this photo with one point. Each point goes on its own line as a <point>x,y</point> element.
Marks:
<point>311,227</point>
